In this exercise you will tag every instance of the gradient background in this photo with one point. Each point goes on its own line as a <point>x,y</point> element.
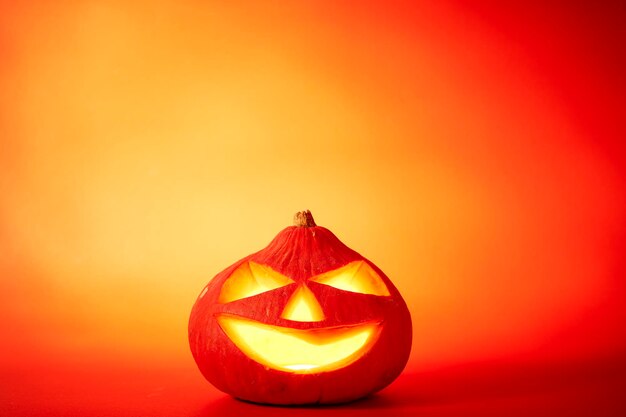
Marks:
<point>475,153</point>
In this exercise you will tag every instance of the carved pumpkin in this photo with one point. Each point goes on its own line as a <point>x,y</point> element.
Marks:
<point>305,320</point>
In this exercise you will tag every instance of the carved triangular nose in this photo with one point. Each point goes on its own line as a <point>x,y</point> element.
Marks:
<point>303,306</point>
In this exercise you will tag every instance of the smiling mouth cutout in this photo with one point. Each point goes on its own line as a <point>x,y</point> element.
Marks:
<point>302,351</point>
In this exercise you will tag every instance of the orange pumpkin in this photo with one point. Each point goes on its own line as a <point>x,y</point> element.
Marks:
<point>305,320</point>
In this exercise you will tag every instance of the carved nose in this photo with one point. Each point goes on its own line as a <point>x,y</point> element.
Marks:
<point>303,306</point>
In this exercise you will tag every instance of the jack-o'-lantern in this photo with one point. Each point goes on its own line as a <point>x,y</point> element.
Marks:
<point>305,320</point>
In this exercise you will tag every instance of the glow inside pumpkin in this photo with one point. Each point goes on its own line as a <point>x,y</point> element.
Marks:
<point>293,350</point>
<point>299,351</point>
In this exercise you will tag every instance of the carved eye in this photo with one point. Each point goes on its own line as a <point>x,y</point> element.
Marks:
<point>357,277</point>
<point>251,279</point>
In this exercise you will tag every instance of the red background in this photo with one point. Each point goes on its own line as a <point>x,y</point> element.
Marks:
<point>476,154</point>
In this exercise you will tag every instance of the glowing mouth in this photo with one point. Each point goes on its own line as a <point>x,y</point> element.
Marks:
<point>297,350</point>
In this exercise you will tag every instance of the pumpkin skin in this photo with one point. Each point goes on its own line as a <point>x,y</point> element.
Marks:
<point>300,253</point>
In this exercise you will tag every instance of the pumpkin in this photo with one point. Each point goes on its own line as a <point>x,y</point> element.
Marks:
<point>306,320</point>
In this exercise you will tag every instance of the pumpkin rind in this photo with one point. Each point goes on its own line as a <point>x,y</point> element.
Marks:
<point>300,253</point>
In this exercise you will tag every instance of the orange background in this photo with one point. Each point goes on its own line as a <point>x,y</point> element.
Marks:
<point>475,154</point>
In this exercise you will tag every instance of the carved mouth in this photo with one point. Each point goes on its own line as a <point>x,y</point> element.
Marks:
<point>301,351</point>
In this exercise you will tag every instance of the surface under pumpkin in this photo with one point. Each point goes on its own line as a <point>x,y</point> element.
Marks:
<point>306,320</point>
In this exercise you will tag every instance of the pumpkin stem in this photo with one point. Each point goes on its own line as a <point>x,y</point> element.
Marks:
<point>304,219</point>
